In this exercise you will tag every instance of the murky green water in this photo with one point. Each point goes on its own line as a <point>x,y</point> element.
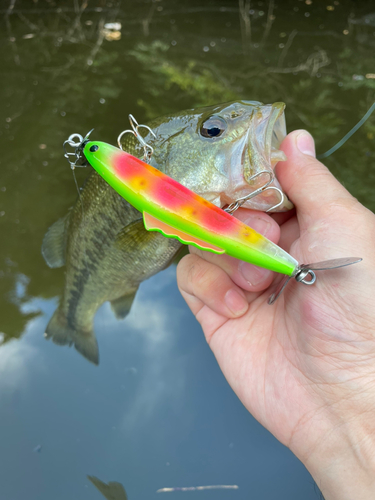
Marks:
<point>156,412</point>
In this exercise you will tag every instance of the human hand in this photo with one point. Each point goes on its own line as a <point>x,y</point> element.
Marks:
<point>304,367</point>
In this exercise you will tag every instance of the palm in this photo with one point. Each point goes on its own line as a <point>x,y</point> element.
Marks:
<point>263,365</point>
<point>279,358</point>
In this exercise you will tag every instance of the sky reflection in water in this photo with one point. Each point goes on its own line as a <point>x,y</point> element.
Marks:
<point>156,413</point>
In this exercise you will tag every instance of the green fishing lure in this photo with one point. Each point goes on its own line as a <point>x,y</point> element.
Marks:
<point>177,212</point>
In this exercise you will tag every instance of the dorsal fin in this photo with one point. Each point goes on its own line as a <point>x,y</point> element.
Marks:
<point>153,224</point>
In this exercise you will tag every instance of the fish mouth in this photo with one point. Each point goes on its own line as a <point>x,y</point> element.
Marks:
<point>275,134</point>
<point>266,132</point>
<point>260,154</point>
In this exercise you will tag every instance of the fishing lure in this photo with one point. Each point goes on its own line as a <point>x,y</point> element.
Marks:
<point>177,212</point>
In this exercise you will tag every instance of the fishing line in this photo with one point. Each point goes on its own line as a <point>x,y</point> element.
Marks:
<point>83,212</point>
<point>349,134</point>
<point>79,195</point>
<point>76,142</point>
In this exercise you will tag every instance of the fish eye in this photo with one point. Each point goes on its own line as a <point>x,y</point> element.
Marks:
<point>94,148</point>
<point>214,126</point>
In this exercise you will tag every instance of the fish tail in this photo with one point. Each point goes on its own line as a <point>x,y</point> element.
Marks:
<point>87,345</point>
<point>84,341</point>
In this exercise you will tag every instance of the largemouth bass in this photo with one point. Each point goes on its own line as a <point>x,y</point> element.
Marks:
<point>213,151</point>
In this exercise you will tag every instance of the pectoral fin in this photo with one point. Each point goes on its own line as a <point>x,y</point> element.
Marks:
<point>153,224</point>
<point>133,237</point>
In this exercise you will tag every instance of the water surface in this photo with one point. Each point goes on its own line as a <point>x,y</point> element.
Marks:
<point>157,411</point>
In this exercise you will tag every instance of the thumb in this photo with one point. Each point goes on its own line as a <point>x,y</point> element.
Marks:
<point>306,181</point>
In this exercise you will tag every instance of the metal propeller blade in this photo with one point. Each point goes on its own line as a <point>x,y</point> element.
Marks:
<point>279,290</point>
<point>305,269</point>
<point>330,264</point>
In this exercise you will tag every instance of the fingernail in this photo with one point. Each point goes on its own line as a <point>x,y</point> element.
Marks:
<point>260,225</point>
<point>236,302</point>
<point>305,143</point>
<point>253,274</point>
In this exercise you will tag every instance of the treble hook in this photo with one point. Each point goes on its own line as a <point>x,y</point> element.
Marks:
<point>77,142</point>
<point>147,149</point>
<point>240,201</point>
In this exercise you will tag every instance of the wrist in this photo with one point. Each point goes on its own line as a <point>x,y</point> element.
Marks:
<point>342,463</point>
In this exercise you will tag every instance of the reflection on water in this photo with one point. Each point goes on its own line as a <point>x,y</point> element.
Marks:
<point>111,491</point>
<point>158,407</point>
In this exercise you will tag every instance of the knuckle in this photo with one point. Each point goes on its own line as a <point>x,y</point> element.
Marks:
<point>199,276</point>
<point>346,208</point>
<point>194,271</point>
<point>185,269</point>
<point>202,275</point>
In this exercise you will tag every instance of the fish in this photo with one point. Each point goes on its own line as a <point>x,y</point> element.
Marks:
<point>111,490</point>
<point>102,241</point>
<point>177,212</point>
